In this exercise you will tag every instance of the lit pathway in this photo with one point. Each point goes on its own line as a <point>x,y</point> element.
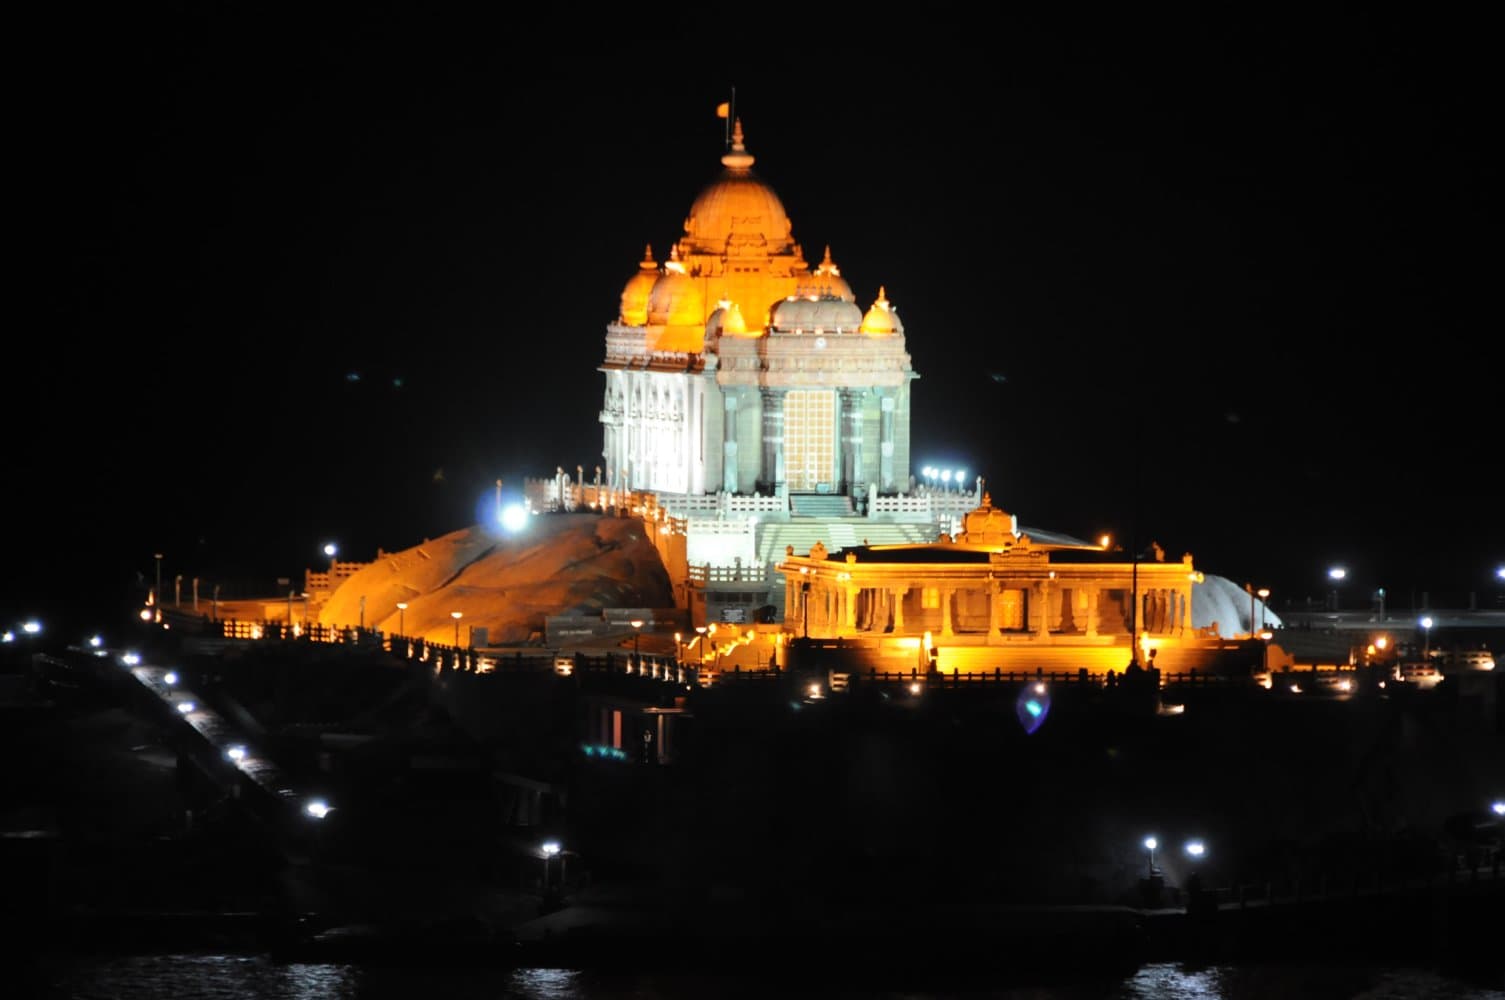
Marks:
<point>217,732</point>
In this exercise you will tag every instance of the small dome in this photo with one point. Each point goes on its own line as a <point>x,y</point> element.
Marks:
<point>737,207</point>
<point>639,286</point>
<point>809,313</point>
<point>726,319</point>
<point>882,320</point>
<point>676,299</point>
<point>826,279</point>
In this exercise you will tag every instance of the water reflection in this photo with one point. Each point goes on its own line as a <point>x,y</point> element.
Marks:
<point>1174,982</point>
<point>244,977</point>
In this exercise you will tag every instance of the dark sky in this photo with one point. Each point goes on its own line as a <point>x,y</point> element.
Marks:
<point>1237,276</point>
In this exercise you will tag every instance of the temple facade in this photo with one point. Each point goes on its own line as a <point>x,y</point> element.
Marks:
<point>995,598</point>
<point>735,367</point>
<point>752,401</point>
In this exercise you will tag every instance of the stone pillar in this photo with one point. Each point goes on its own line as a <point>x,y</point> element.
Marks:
<point>1042,592</point>
<point>1092,612</point>
<point>851,425</point>
<point>773,439</point>
<point>897,594</point>
<point>946,595</point>
<point>886,441</point>
<point>729,443</point>
<point>849,611</point>
<point>995,610</point>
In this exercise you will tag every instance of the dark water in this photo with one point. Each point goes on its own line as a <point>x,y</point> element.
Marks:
<point>187,977</point>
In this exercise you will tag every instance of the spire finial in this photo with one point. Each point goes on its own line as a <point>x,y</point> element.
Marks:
<point>738,158</point>
<point>648,263</point>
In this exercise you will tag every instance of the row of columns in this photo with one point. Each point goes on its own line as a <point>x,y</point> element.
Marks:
<point>1164,611</point>
<point>645,451</point>
<point>852,472</point>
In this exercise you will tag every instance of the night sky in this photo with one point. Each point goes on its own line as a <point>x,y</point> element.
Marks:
<point>1223,282</point>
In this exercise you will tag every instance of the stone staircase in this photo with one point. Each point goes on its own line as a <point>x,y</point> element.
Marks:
<point>774,537</point>
<point>823,505</point>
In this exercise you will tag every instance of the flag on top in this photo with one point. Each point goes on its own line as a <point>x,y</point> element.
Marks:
<point>723,109</point>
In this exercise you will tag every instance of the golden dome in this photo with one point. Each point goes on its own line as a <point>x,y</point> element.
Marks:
<point>727,319</point>
<point>737,208</point>
<point>882,319</point>
<point>815,313</point>
<point>826,279</point>
<point>639,286</point>
<point>677,304</point>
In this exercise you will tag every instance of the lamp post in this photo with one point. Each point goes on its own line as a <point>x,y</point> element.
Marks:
<point>679,650</point>
<point>637,630</point>
<point>1264,605</point>
<point>158,592</point>
<point>550,850</point>
<point>457,615</point>
<point>1196,850</point>
<point>700,635</point>
<point>1150,843</point>
<point>401,607</point>
<point>1426,638</point>
<point>1336,574</point>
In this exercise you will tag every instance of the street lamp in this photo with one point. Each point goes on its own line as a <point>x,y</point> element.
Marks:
<point>330,549</point>
<point>700,636</point>
<point>402,606</point>
<point>679,650</point>
<point>1426,638</point>
<point>457,615</point>
<point>1150,843</point>
<point>1264,605</point>
<point>550,850</point>
<point>1336,574</point>
<point>1196,849</point>
<point>158,592</point>
<point>637,627</point>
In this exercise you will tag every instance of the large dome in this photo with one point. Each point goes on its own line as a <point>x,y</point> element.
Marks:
<point>815,314</point>
<point>737,208</point>
<point>676,299</point>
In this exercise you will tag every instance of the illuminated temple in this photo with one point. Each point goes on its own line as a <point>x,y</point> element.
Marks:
<point>994,597</point>
<point>755,410</point>
<point>751,396</point>
<point>737,367</point>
